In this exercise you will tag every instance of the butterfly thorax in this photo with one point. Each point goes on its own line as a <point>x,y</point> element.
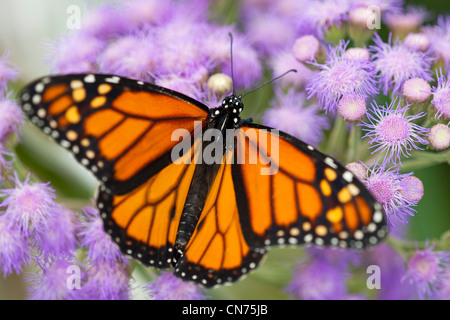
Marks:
<point>227,115</point>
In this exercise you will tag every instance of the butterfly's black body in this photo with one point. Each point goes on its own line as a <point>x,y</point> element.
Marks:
<point>225,117</point>
<point>201,183</point>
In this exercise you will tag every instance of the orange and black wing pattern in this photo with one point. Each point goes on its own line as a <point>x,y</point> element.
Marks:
<point>118,128</point>
<point>293,194</point>
<point>144,222</point>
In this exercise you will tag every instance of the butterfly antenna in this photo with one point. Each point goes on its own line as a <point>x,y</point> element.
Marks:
<point>231,55</point>
<point>270,81</point>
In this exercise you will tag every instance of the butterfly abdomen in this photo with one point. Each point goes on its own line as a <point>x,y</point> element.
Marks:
<point>195,201</point>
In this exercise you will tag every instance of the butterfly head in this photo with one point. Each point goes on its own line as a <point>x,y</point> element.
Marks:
<point>233,105</point>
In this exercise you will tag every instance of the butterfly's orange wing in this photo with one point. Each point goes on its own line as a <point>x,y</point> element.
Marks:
<point>118,128</point>
<point>293,194</point>
<point>144,222</point>
<point>218,253</point>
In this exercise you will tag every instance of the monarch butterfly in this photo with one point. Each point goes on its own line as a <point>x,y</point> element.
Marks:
<point>211,222</point>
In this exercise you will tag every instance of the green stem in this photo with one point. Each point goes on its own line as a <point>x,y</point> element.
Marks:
<point>142,271</point>
<point>337,136</point>
<point>354,144</point>
<point>423,159</point>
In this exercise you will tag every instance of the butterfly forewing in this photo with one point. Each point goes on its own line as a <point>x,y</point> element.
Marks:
<point>307,198</point>
<point>120,129</point>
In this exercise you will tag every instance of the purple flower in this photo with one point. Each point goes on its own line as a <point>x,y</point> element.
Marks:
<point>392,132</point>
<point>105,281</point>
<point>341,76</point>
<point>426,269</point>
<point>246,65</point>
<point>416,90</point>
<point>444,293</point>
<point>385,6</point>
<point>284,61</point>
<point>290,110</point>
<point>319,279</point>
<point>168,287</point>
<point>58,238</point>
<point>269,32</point>
<point>142,13</point>
<point>183,49</point>
<point>417,41</point>
<point>397,63</point>
<point>14,252</point>
<point>51,282</point>
<point>10,118</point>
<point>386,186</point>
<point>75,53</point>
<point>392,267</point>
<point>326,13</point>
<point>101,248</point>
<point>307,48</point>
<point>187,86</point>
<point>411,188</point>
<point>357,54</point>
<point>8,72</point>
<point>439,136</point>
<point>409,20</point>
<point>352,107</point>
<point>441,96</point>
<point>131,56</point>
<point>104,21</point>
<point>29,205</point>
<point>439,36</point>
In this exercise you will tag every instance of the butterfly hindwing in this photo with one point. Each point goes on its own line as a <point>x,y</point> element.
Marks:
<point>120,129</point>
<point>144,222</point>
<point>303,197</point>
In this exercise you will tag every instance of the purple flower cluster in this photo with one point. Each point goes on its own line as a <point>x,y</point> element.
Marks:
<point>397,63</point>
<point>34,228</point>
<point>290,109</point>
<point>392,132</point>
<point>396,192</point>
<point>323,275</point>
<point>10,113</point>
<point>342,75</point>
<point>439,36</point>
<point>162,41</point>
<point>168,287</point>
<point>428,270</point>
<point>37,223</point>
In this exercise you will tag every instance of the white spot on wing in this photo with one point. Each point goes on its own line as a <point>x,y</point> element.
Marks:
<point>330,162</point>
<point>39,87</point>
<point>36,99</point>
<point>348,176</point>
<point>113,79</point>
<point>90,78</point>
